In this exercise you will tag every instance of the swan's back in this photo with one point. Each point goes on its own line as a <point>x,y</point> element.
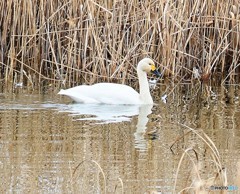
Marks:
<point>107,93</point>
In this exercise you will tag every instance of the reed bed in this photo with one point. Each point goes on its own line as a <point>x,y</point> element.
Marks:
<point>70,42</point>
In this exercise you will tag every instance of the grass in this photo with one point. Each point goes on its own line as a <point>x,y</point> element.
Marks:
<point>98,166</point>
<point>199,181</point>
<point>69,42</point>
<point>74,177</point>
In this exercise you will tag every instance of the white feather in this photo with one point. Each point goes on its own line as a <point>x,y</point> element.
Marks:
<point>111,93</point>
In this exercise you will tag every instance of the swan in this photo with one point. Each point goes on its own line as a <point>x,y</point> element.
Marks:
<point>112,93</point>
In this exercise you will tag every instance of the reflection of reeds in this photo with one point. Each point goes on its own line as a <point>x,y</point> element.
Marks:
<point>89,41</point>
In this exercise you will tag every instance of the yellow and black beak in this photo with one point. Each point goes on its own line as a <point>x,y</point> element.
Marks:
<point>155,71</point>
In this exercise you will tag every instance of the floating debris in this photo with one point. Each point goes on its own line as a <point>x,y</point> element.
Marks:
<point>164,98</point>
<point>196,73</point>
<point>152,83</point>
<point>19,85</point>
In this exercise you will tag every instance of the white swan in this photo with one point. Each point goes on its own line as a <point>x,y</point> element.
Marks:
<point>111,93</point>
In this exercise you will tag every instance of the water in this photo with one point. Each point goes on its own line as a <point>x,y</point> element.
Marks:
<point>49,145</point>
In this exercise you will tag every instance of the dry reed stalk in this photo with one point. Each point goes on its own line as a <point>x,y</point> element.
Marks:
<point>199,184</point>
<point>237,181</point>
<point>107,38</point>
<point>99,167</point>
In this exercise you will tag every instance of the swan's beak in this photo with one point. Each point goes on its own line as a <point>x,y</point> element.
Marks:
<point>157,73</point>
<point>154,70</point>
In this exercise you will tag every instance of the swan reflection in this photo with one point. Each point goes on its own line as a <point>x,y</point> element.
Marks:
<point>111,113</point>
<point>105,113</point>
<point>140,141</point>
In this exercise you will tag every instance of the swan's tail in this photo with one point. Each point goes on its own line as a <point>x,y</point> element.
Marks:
<point>61,92</point>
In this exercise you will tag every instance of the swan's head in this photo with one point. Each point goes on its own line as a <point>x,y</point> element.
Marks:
<point>147,65</point>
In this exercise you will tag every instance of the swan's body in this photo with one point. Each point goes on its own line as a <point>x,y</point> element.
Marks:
<point>111,93</point>
<point>107,93</point>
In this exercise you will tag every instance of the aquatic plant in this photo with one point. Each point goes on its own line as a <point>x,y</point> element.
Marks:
<point>65,43</point>
<point>198,180</point>
<point>74,177</point>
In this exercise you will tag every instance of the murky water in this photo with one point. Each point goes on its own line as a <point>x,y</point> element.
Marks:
<point>48,145</point>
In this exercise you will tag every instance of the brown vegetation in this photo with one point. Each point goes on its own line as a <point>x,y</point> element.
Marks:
<point>65,43</point>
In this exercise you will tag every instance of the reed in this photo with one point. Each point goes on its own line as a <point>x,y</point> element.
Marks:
<point>199,180</point>
<point>74,178</point>
<point>70,42</point>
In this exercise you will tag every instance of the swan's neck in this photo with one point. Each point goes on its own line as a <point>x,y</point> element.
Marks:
<point>145,95</point>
